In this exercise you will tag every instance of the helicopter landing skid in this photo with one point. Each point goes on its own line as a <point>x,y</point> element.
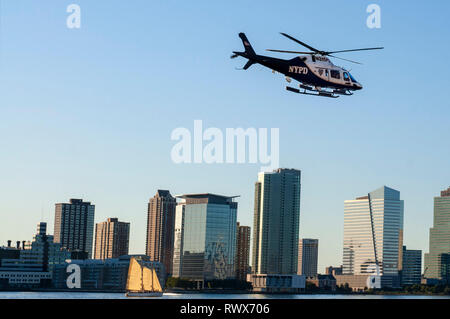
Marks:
<point>304,91</point>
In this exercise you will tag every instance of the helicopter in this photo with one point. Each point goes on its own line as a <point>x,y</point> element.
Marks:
<point>316,73</point>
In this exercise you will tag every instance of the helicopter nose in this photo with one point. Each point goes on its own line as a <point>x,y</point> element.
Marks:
<point>358,86</point>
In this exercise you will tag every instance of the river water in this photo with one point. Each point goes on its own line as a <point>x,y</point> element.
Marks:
<point>93,295</point>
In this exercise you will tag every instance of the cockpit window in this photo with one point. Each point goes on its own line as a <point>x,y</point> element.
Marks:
<point>353,79</point>
<point>346,77</point>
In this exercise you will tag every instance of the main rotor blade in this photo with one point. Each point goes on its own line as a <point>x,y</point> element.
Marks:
<point>300,42</point>
<point>353,50</point>
<point>286,51</point>
<point>343,59</point>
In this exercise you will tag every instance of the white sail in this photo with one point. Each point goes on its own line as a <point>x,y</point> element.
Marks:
<point>147,279</point>
<point>134,280</point>
<point>156,285</point>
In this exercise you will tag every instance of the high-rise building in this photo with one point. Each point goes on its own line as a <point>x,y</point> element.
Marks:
<point>205,237</point>
<point>276,222</point>
<point>242,251</point>
<point>373,233</point>
<point>439,238</point>
<point>111,239</point>
<point>308,255</point>
<point>74,225</point>
<point>160,228</point>
<point>412,267</point>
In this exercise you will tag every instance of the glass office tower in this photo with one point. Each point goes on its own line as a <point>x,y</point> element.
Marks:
<point>276,222</point>
<point>205,237</point>
<point>373,235</point>
<point>412,267</point>
<point>435,261</point>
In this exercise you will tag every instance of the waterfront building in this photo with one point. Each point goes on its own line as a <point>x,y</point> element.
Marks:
<point>357,283</point>
<point>323,282</point>
<point>277,283</point>
<point>412,267</point>
<point>308,254</point>
<point>435,259</point>
<point>242,251</point>
<point>111,239</point>
<point>276,222</point>
<point>205,237</point>
<point>444,260</point>
<point>74,225</point>
<point>30,265</point>
<point>373,236</point>
<point>160,228</point>
<point>103,275</point>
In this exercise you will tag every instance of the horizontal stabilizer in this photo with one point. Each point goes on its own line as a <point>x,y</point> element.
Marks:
<point>248,64</point>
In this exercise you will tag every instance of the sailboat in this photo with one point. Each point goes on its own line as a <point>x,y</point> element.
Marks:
<point>142,281</point>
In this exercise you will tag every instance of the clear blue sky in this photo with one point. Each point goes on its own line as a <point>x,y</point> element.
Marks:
<point>88,113</point>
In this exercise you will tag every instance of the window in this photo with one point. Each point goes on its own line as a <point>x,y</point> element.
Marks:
<point>346,77</point>
<point>335,74</point>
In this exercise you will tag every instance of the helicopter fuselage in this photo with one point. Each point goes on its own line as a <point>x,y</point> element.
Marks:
<point>316,71</point>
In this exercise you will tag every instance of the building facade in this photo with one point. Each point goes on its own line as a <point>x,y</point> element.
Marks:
<point>439,238</point>
<point>308,255</point>
<point>445,268</point>
<point>31,264</point>
<point>74,225</point>
<point>323,282</point>
<point>333,270</point>
<point>205,237</point>
<point>277,283</point>
<point>373,236</point>
<point>355,282</point>
<point>412,267</point>
<point>160,228</point>
<point>111,239</point>
<point>276,222</point>
<point>242,252</point>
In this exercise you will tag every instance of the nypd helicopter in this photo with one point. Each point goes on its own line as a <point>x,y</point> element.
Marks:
<point>316,73</point>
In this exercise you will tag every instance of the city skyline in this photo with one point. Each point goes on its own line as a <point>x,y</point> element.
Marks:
<point>88,113</point>
<point>444,193</point>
